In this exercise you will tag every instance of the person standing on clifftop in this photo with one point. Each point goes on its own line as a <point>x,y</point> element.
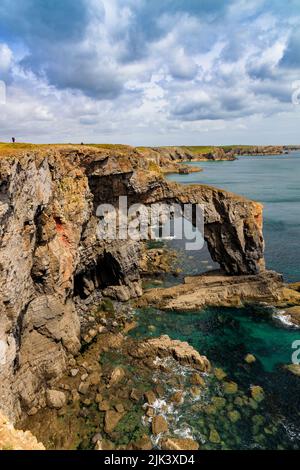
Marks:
<point>13,139</point>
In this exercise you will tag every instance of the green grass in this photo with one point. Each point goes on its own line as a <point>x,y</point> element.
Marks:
<point>200,149</point>
<point>10,148</point>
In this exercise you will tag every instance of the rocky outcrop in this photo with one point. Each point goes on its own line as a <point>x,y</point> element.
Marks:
<point>12,439</point>
<point>259,150</point>
<point>50,252</point>
<point>182,352</point>
<point>292,314</point>
<point>167,158</point>
<point>216,289</point>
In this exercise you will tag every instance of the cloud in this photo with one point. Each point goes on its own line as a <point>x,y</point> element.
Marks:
<point>291,58</point>
<point>43,20</point>
<point>143,71</point>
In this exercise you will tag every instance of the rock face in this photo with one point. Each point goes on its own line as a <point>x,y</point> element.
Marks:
<point>11,439</point>
<point>50,252</point>
<point>168,157</point>
<point>216,289</point>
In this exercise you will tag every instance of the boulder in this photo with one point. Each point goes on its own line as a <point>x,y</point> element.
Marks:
<point>150,397</point>
<point>250,359</point>
<point>196,379</point>
<point>230,388</point>
<point>257,393</point>
<point>171,443</point>
<point>159,425</point>
<point>294,369</point>
<point>214,437</point>
<point>182,352</point>
<point>117,375</point>
<point>55,399</point>
<point>144,443</point>
<point>294,314</point>
<point>111,420</point>
<point>177,397</point>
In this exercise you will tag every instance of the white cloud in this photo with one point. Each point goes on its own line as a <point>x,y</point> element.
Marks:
<point>191,77</point>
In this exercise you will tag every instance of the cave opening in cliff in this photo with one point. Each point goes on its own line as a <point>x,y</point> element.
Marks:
<point>105,272</point>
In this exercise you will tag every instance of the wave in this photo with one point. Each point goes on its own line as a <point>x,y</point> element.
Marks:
<point>284,319</point>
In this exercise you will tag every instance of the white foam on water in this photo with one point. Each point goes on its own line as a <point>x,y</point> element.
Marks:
<point>284,319</point>
<point>184,432</point>
<point>292,432</point>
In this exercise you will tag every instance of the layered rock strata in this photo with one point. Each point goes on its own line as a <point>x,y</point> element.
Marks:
<point>217,290</point>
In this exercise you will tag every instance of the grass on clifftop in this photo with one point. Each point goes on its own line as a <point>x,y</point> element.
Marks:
<point>9,148</point>
<point>208,149</point>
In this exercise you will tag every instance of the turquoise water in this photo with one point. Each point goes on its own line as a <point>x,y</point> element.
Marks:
<point>274,181</point>
<point>226,336</point>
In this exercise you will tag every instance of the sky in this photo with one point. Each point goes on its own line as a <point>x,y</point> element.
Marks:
<point>158,72</point>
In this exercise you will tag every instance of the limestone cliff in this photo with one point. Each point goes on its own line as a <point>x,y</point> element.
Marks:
<point>12,439</point>
<point>169,157</point>
<point>49,252</point>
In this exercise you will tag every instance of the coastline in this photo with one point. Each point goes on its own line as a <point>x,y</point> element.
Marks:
<point>82,328</point>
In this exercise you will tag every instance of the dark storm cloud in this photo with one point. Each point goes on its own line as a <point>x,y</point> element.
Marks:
<point>38,21</point>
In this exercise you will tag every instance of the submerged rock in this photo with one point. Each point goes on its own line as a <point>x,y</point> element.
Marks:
<point>234,416</point>
<point>214,437</point>
<point>250,359</point>
<point>220,374</point>
<point>219,402</point>
<point>294,369</point>
<point>230,388</point>
<point>257,393</point>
